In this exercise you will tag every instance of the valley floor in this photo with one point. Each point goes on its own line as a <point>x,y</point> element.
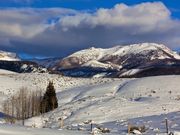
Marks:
<point>108,102</point>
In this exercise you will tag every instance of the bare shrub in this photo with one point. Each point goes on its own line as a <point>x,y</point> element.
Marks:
<point>177,97</point>
<point>131,128</point>
<point>10,120</point>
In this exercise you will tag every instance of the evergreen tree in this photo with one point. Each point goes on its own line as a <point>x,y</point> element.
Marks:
<point>49,101</point>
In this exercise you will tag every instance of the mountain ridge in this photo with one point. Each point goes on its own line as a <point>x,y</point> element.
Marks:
<point>116,61</point>
<point>12,62</point>
<point>136,60</point>
<point>9,56</point>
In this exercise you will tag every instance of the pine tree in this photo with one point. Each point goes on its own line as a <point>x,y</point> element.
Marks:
<point>49,101</point>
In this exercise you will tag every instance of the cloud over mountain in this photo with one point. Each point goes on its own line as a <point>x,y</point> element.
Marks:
<point>58,31</point>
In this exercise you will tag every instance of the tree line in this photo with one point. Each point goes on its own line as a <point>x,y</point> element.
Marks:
<point>26,104</point>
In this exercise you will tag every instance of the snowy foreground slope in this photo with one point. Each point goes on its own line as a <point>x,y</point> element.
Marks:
<point>109,103</point>
<point>6,129</point>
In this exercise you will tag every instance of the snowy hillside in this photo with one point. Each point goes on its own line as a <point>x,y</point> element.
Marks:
<point>109,103</point>
<point>18,130</point>
<point>114,103</point>
<point>117,60</point>
<point>120,51</point>
<point>6,72</point>
<point>8,56</point>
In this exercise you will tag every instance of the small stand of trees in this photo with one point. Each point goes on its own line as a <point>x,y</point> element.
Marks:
<point>49,101</point>
<point>26,104</point>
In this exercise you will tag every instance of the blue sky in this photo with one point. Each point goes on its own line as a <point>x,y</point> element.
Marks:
<point>173,5</point>
<point>31,27</point>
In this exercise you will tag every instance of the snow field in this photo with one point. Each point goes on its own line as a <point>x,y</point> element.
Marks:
<point>110,103</point>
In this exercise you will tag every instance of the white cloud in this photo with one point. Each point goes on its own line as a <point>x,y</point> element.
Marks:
<point>65,30</point>
<point>26,23</point>
<point>121,14</point>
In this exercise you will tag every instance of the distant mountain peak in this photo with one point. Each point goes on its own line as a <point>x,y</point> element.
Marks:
<point>118,60</point>
<point>9,56</point>
<point>118,55</point>
<point>93,53</point>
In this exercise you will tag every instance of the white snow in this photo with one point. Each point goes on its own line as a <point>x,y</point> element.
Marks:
<point>97,64</point>
<point>137,132</point>
<point>130,72</point>
<point>98,53</point>
<point>109,103</point>
<point>92,56</point>
<point>24,66</point>
<point>8,56</point>
<point>18,130</point>
<point>4,72</point>
<point>94,63</point>
<point>176,133</point>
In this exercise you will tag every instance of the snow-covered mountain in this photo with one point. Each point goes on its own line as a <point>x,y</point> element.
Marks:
<point>11,62</point>
<point>109,103</point>
<point>9,56</point>
<point>117,61</point>
<point>47,62</point>
<point>22,67</point>
<point>137,60</point>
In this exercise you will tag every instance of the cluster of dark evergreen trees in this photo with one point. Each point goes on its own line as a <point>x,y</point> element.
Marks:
<point>49,101</point>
